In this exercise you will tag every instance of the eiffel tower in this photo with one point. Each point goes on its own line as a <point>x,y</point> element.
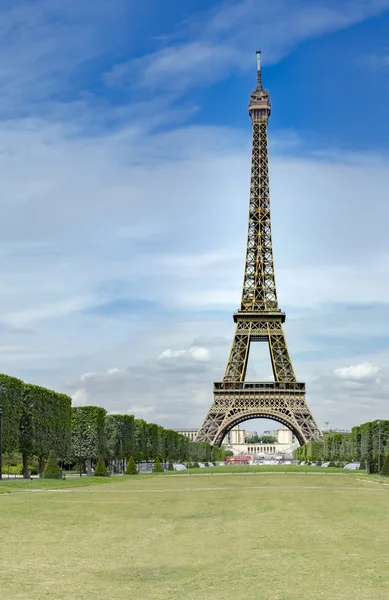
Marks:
<point>259,319</point>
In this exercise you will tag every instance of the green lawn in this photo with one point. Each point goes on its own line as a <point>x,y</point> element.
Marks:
<point>272,536</point>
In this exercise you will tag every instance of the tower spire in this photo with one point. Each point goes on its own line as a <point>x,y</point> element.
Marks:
<point>259,75</point>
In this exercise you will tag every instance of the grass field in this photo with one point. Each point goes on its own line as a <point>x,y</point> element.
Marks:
<point>272,536</point>
<point>258,469</point>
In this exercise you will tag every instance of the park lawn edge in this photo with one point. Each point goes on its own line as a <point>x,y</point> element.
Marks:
<point>27,485</point>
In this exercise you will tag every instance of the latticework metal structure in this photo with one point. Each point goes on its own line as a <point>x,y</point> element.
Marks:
<point>259,319</point>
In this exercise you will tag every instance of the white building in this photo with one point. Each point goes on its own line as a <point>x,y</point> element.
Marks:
<point>237,435</point>
<point>235,441</point>
<point>285,444</point>
<point>190,433</point>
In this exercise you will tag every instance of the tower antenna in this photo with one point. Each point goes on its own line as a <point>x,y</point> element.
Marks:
<point>259,75</point>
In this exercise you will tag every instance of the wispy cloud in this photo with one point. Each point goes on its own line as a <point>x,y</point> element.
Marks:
<point>221,41</point>
<point>377,61</point>
<point>46,46</point>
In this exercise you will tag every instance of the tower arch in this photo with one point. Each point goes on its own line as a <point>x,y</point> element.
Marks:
<point>260,415</point>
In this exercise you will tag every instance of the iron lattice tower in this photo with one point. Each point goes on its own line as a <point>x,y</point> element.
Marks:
<point>259,319</point>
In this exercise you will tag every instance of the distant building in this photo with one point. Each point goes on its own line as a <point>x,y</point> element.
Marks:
<point>285,444</point>
<point>190,433</point>
<point>235,441</point>
<point>235,436</point>
<point>272,433</point>
<point>331,430</point>
<point>251,434</point>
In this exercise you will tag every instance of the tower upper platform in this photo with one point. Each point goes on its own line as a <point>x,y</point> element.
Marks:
<point>259,106</point>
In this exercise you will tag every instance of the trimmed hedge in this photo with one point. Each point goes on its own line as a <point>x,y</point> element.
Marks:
<point>37,420</point>
<point>364,443</point>
<point>88,432</point>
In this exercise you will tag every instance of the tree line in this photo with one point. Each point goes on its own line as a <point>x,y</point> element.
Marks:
<point>263,439</point>
<point>368,442</point>
<point>37,420</point>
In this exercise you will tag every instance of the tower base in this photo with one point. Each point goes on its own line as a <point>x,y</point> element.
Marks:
<point>236,401</point>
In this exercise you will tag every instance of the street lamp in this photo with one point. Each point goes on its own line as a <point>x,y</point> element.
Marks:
<point>2,390</point>
<point>379,446</point>
<point>79,411</point>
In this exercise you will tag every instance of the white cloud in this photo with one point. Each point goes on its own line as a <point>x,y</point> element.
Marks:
<point>350,399</point>
<point>86,376</point>
<point>123,244</point>
<point>113,371</point>
<point>180,66</point>
<point>357,372</point>
<point>197,353</point>
<point>46,45</point>
<point>79,397</point>
<point>147,392</point>
<point>184,263</point>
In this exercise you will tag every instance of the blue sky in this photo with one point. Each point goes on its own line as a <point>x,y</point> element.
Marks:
<point>124,169</point>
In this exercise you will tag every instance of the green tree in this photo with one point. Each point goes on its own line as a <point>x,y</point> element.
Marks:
<point>385,467</point>
<point>131,467</point>
<point>52,470</point>
<point>263,439</point>
<point>101,469</point>
<point>11,391</point>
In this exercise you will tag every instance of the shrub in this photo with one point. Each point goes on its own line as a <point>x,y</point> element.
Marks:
<point>170,466</point>
<point>131,467</point>
<point>157,466</point>
<point>196,465</point>
<point>33,469</point>
<point>385,467</point>
<point>52,470</point>
<point>12,470</point>
<point>332,464</point>
<point>362,465</point>
<point>101,469</point>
